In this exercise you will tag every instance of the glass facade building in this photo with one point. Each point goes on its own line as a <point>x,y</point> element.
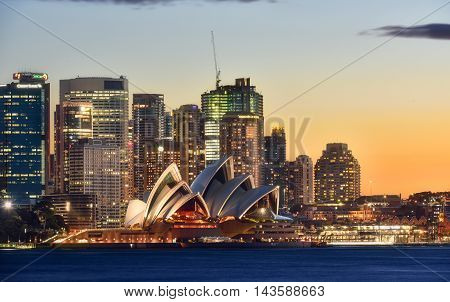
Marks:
<point>109,98</point>
<point>241,97</point>
<point>24,139</point>
<point>73,122</point>
<point>148,127</point>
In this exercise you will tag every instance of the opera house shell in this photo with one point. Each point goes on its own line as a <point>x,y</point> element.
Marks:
<point>217,202</point>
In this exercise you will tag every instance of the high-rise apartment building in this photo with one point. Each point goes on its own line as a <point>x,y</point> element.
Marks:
<point>274,165</point>
<point>241,97</point>
<point>148,127</point>
<point>299,181</point>
<point>240,137</point>
<point>337,175</point>
<point>95,169</point>
<point>188,134</point>
<point>24,139</point>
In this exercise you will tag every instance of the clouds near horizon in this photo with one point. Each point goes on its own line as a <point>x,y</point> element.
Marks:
<point>439,31</point>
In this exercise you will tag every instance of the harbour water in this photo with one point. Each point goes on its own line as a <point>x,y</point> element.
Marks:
<point>427,263</point>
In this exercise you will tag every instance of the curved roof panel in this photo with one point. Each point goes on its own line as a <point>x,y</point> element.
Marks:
<point>168,179</point>
<point>176,204</point>
<point>218,200</point>
<point>239,206</point>
<point>135,213</point>
<point>204,179</point>
<point>176,192</point>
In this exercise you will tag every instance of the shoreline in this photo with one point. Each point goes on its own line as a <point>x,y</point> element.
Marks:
<point>227,245</point>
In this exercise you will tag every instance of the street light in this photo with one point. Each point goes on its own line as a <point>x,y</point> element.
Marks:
<point>7,204</point>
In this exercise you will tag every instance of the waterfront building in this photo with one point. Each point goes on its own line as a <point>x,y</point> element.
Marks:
<point>219,207</point>
<point>216,194</point>
<point>24,139</point>
<point>299,179</point>
<point>188,133</point>
<point>148,127</point>
<point>77,210</point>
<point>337,175</point>
<point>158,155</point>
<point>274,166</point>
<point>241,97</point>
<point>73,122</point>
<point>95,169</point>
<point>240,137</point>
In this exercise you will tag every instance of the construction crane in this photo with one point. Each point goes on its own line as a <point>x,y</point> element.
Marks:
<point>215,60</point>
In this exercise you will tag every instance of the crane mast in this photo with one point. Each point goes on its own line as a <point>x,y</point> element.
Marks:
<point>215,60</point>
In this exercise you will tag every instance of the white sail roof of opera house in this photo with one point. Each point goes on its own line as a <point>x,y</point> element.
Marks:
<point>214,194</point>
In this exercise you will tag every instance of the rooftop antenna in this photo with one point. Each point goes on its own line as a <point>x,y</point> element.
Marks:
<point>215,60</point>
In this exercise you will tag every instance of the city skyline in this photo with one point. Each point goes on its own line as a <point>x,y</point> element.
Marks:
<point>391,121</point>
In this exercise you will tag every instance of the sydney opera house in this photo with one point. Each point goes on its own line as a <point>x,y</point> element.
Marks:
<point>218,204</point>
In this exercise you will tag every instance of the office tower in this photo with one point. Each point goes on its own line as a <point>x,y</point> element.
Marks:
<point>73,122</point>
<point>274,166</point>
<point>148,126</point>
<point>109,98</point>
<point>241,97</point>
<point>158,156</point>
<point>168,126</point>
<point>337,175</point>
<point>240,137</point>
<point>77,210</point>
<point>299,181</point>
<point>188,134</point>
<point>95,169</point>
<point>24,138</point>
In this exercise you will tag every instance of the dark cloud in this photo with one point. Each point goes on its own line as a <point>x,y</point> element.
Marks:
<point>429,31</point>
<point>156,2</point>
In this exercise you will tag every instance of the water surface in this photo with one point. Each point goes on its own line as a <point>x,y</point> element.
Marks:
<point>307,264</point>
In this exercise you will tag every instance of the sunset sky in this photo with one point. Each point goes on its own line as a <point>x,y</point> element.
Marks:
<point>392,107</point>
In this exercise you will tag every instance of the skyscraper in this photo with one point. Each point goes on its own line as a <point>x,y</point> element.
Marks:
<point>95,169</point>
<point>274,166</point>
<point>337,175</point>
<point>24,138</point>
<point>73,122</point>
<point>188,125</point>
<point>299,181</point>
<point>240,137</point>
<point>241,97</point>
<point>148,127</point>
<point>109,98</point>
